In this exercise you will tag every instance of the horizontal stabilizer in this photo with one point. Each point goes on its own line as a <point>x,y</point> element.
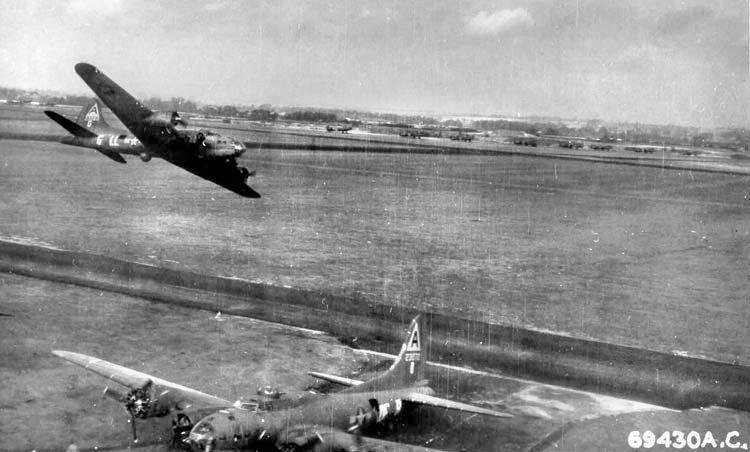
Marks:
<point>113,155</point>
<point>69,125</point>
<point>424,399</point>
<point>336,379</point>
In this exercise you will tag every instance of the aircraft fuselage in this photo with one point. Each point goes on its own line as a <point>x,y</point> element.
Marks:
<point>236,428</point>
<point>171,144</point>
<point>122,144</point>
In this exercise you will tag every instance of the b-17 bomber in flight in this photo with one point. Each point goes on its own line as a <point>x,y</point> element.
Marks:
<point>154,134</point>
<point>331,422</point>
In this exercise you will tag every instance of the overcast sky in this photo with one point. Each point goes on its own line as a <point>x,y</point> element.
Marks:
<point>680,62</point>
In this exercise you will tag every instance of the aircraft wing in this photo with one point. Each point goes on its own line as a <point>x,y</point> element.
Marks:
<point>134,379</point>
<point>126,107</point>
<point>424,399</point>
<point>317,437</point>
<point>218,171</point>
<point>336,379</point>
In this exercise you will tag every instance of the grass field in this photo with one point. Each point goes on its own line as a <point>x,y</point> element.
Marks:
<point>638,256</point>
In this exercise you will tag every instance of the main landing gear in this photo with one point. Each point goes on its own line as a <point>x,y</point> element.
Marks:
<point>181,427</point>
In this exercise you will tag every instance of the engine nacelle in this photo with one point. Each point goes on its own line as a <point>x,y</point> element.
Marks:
<point>374,414</point>
<point>145,406</point>
<point>141,402</point>
<point>269,392</point>
<point>365,417</point>
<point>145,156</point>
<point>163,119</point>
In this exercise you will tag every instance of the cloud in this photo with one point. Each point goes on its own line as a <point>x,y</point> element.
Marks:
<point>499,21</point>
<point>678,21</point>
<point>96,8</point>
<point>215,6</point>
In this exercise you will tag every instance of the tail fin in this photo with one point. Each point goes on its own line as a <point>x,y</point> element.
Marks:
<point>91,117</point>
<point>407,368</point>
<point>406,371</point>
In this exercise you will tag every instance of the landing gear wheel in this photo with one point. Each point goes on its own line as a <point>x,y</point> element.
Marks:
<point>181,427</point>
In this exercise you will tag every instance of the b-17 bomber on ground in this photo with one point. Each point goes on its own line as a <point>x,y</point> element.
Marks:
<point>331,422</point>
<point>154,134</point>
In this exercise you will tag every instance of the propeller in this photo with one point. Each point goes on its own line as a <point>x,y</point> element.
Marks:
<point>175,119</point>
<point>123,398</point>
<point>138,403</point>
<point>364,418</point>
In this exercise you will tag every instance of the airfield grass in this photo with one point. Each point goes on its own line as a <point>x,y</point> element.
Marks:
<point>632,255</point>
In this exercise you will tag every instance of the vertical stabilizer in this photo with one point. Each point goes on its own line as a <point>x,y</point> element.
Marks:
<point>406,370</point>
<point>92,118</point>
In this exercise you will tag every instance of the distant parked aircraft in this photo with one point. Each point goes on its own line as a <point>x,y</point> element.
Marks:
<point>341,128</point>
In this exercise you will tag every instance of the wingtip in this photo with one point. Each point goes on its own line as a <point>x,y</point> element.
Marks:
<point>84,69</point>
<point>248,192</point>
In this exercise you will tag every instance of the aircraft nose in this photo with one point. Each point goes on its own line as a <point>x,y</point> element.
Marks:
<point>201,437</point>
<point>239,148</point>
<point>201,443</point>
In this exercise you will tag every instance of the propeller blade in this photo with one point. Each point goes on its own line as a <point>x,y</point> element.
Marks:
<point>113,394</point>
<point>146,386</point>
<point>182,405</point>
<point>132,425</point>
